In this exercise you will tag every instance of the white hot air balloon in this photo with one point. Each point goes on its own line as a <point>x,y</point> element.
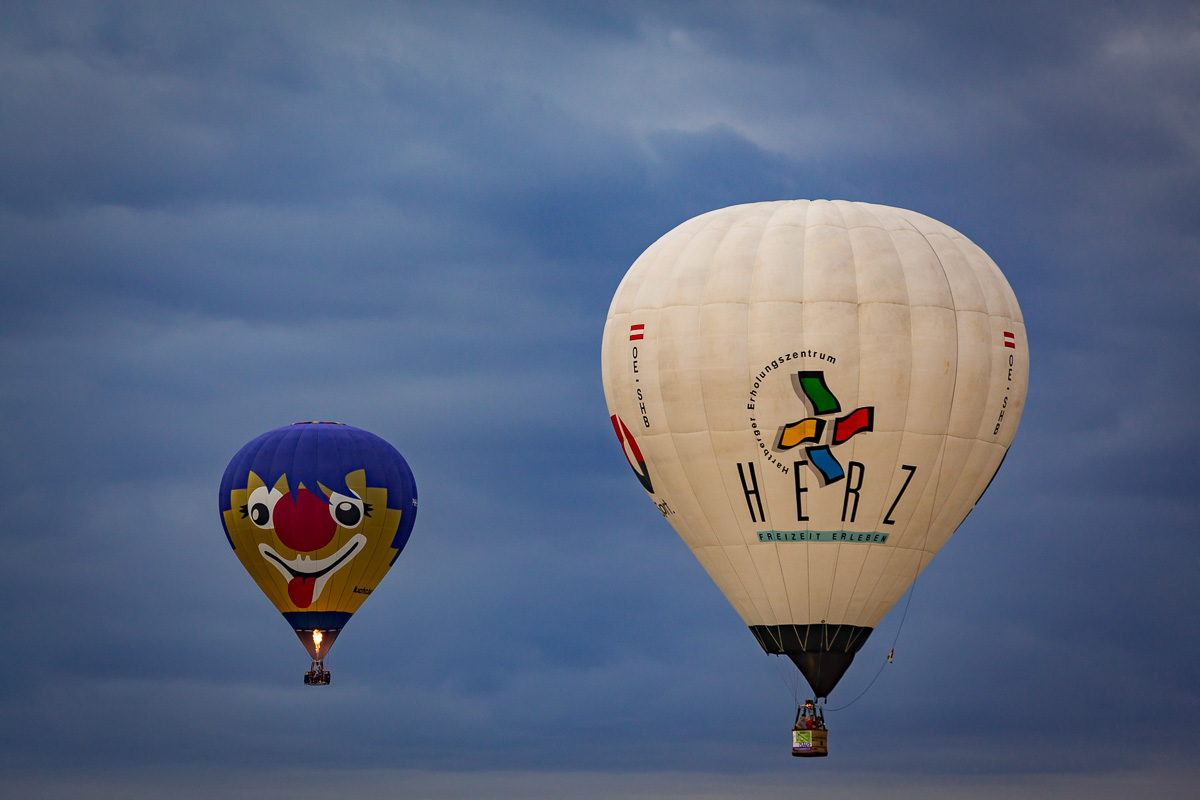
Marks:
<point>814,394</point>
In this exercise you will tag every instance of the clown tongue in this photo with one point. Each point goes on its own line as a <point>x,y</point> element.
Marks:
<point>300,590</point>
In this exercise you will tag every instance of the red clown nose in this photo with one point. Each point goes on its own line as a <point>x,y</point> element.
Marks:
<point>306,524</point>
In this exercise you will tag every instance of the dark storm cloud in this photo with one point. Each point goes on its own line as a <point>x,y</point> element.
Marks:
<point>220,219</point>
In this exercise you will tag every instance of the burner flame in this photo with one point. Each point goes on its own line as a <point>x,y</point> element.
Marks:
<point>317,637</point>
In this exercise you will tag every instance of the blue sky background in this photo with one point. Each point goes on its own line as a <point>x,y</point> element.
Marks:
<point>216,219</point>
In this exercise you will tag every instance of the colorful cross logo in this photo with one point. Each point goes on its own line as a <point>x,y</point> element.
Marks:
<point>811,387</point>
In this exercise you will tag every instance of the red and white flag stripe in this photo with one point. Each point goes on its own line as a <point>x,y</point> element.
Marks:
<point>635,332</point>
<point>1010,340</point>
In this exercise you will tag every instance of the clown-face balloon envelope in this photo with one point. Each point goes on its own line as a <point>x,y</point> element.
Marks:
<point>317,513</point>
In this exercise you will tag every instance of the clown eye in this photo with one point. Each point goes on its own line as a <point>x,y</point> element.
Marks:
<point>347,514</point>
<point>261,505</point>
<point>346,511</point>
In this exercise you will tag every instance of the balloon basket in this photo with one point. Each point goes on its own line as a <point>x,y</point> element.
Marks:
<point>810,744</point>
<point>317,675</point>
<point>809,737</point>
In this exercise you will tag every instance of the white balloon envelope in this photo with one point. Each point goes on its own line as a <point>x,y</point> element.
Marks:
<point>814,394</point>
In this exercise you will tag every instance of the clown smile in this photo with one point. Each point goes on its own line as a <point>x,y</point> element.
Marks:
<point>306,577</point>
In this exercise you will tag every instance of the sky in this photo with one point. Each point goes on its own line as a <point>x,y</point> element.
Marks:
<point>220,218</point>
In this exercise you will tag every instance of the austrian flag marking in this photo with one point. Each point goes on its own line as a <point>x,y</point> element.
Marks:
<point>1010,340</point>
<point>635,332</point>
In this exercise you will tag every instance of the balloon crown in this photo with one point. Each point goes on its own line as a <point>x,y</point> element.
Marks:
<point>323,456</point>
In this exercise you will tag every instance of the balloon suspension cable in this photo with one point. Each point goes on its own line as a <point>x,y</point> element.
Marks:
<point>821,655</point>
<point>924,541</point>
<point>887,660</point>
<point>790,677</point>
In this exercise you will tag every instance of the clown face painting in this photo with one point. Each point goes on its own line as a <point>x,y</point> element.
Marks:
<point>317,513</point>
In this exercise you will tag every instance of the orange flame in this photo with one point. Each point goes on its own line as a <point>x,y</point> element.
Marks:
<point>317,637</point>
